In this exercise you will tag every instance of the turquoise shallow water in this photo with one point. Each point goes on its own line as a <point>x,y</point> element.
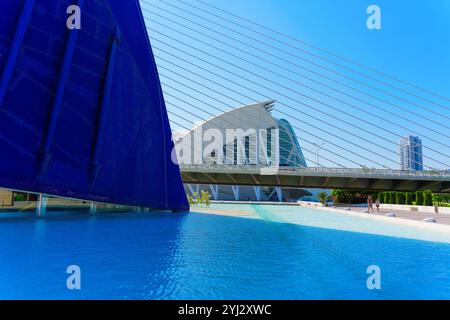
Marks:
<point>331,220</point>
<point>277,252</point>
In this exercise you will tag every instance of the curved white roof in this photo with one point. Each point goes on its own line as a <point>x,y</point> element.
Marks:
<point>251,116</point>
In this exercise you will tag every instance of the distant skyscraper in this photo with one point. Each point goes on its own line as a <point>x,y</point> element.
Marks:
<point>411,153</point>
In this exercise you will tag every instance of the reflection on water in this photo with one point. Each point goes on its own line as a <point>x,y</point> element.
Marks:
<point>199,256</point>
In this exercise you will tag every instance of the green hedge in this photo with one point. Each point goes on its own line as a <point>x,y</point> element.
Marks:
<point>419,198</point>
<point>399,198</point>
<point>428,198</point>
<point>392,198</point>
<point>408,198</point>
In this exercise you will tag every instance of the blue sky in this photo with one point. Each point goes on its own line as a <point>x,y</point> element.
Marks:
<point>413,45</point>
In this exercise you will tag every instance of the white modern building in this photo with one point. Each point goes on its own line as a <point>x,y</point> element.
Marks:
<point>244,136</point>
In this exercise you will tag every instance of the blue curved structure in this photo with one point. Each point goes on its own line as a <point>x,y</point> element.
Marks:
<point>81,111</point>
<point>291,153</point>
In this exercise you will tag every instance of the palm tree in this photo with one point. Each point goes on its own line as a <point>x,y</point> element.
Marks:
<point>323,197</point>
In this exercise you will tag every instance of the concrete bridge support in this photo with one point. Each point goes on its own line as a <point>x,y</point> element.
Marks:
<point>258,193</point>
<point>93,208</point>
<point>215,191</point>
<point>236,192</point>
<point>279,192</point>
<point>41,206</point>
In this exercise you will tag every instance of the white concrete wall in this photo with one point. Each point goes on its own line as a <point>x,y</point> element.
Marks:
<point>387,207</point>
<point>415,208</point>
<point>310,204</point>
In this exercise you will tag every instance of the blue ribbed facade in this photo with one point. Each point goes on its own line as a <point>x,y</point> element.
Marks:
<point>81,111</point>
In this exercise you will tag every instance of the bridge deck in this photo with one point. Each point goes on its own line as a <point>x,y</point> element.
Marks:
<point>327,178</point>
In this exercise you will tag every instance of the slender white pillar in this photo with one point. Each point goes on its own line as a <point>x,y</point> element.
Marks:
<point>257,193</point>
<point>215,191</point>
<point>41,208</point>
<point>258,141</point>
<point>236,192</point>
<point>279,194</point>
<point>191,189</point>
<point>93,208</point>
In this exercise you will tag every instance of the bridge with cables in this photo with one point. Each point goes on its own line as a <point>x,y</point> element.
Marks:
<point>324,178</point>
<point>345,120</point>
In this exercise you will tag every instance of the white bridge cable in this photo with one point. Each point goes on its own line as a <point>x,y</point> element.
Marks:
<point>205,120</point>
<point>351,115</point>
<point>303,76</point>
<point>239,102</point>
<point>247,28</point>
<point>297,101</point>
<point>288,97</point>
<point>254,153</point>
<point>226,106</point>
<point>319,66</point>
<point>302,42</point>
<point>305,149</point>
<point>306,123</point>
<point>205,103</point>
<point>307,60</point>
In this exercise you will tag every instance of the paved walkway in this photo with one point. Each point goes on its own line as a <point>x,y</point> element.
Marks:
<point>441,218</point>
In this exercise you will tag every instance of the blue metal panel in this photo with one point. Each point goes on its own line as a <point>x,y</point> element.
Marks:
<point>91,102</point>
<point>45,156</point>
<point>15,47</point>
<point>104,106</point>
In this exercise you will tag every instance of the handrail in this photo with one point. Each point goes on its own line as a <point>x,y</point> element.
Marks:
<point>321,170</point>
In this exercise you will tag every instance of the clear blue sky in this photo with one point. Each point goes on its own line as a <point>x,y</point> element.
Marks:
<point>413,45</point>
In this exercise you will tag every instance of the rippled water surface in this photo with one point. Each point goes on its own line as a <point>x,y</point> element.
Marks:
<point>274,253</point>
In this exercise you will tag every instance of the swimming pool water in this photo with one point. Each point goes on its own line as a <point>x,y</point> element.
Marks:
<point>283,253</point>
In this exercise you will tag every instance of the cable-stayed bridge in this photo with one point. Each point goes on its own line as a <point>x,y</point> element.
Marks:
<point>324,178</point>
<point>348,118</point>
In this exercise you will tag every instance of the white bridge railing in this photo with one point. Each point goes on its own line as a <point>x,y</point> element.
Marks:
<point>316,171</point>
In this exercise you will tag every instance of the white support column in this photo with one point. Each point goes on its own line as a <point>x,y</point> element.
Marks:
<point>93,208</point>
<point>191,189</point>
<point>257,193</point>
<point>215,191</point>
<point>41,208</point>
<point>236,192</point>
<point>279,194</point>
<point>257,148</point>
<point>271,194</point>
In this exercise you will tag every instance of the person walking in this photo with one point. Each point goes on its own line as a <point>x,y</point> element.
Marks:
<point>369,204</point>
<point>377,204</point>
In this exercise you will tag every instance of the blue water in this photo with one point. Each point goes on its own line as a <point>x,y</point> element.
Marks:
<point>274,253</point>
